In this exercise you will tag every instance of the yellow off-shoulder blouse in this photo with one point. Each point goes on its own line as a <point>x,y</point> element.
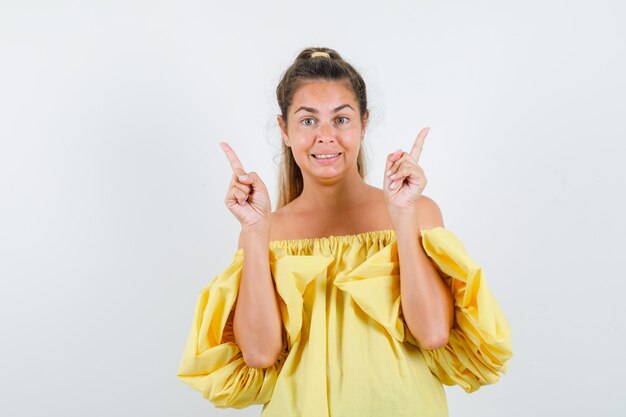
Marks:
<point>347,350</point>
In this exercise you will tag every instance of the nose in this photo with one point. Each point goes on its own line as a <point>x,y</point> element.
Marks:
<point>325,133</point>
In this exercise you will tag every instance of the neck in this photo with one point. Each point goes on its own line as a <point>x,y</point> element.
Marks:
<point>333,194</point>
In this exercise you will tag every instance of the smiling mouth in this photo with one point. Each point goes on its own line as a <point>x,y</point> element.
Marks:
<point>326,156</point>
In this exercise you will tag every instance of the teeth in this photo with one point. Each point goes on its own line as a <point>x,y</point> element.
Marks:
<point>330,155</point>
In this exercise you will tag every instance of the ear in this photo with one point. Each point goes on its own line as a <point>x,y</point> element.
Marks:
<point>283,129</point>
<point>364,122</point>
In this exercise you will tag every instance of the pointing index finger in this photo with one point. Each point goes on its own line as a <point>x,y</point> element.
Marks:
<point>235,163</point>
<point>416,150</point>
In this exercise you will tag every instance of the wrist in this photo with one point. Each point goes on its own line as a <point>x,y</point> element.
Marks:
<point>402,214</point>
<point>260,229</point>
<point>404,222</point>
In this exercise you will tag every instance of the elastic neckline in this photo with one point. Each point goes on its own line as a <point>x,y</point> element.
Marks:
<point>356,236</point>
<point>369,236</point>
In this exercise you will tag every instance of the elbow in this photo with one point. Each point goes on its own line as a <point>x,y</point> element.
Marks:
<point>440,337</point>
<point>260,362</point>
<point>433,339</point>
<point>436,341</point>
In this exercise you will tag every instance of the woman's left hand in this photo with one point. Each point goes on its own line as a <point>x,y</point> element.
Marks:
<point>404,179</point>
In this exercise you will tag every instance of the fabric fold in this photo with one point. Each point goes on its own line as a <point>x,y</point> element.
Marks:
<point>374,285</point>
<point>292,274</point>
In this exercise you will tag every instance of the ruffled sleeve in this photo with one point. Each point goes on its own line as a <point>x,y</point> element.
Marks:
<point>480,341</point>
<point>212,361</point>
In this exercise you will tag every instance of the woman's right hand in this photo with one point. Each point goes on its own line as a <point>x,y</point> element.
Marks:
<point>247,199</point>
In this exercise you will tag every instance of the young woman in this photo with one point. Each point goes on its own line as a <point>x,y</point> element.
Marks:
<point>350,300</point>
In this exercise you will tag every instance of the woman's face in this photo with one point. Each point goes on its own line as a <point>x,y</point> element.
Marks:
<point>324,120</point>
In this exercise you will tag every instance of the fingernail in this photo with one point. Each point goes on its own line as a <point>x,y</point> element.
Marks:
<point>243,177</point>
<point>392,185</point>
<point>388,172</point>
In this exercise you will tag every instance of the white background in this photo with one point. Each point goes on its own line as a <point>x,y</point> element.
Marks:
<point>112,181</point>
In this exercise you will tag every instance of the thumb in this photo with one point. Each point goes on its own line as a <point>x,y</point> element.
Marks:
<point>251,179</point>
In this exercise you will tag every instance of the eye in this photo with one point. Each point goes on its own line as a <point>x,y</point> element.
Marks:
<point>306,120</point>
<point>342,120</point>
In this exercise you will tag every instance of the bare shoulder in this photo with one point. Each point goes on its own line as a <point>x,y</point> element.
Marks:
<point>428,213</point>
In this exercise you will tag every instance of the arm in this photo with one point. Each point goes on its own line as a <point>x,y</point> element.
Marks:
<point>427,304</point>
<point>257,322</point>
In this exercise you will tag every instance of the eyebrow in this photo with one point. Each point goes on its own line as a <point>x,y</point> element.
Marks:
<point>312,110</point>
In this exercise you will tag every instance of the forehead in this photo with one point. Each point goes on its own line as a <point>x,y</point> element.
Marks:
<point>323,94</point>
